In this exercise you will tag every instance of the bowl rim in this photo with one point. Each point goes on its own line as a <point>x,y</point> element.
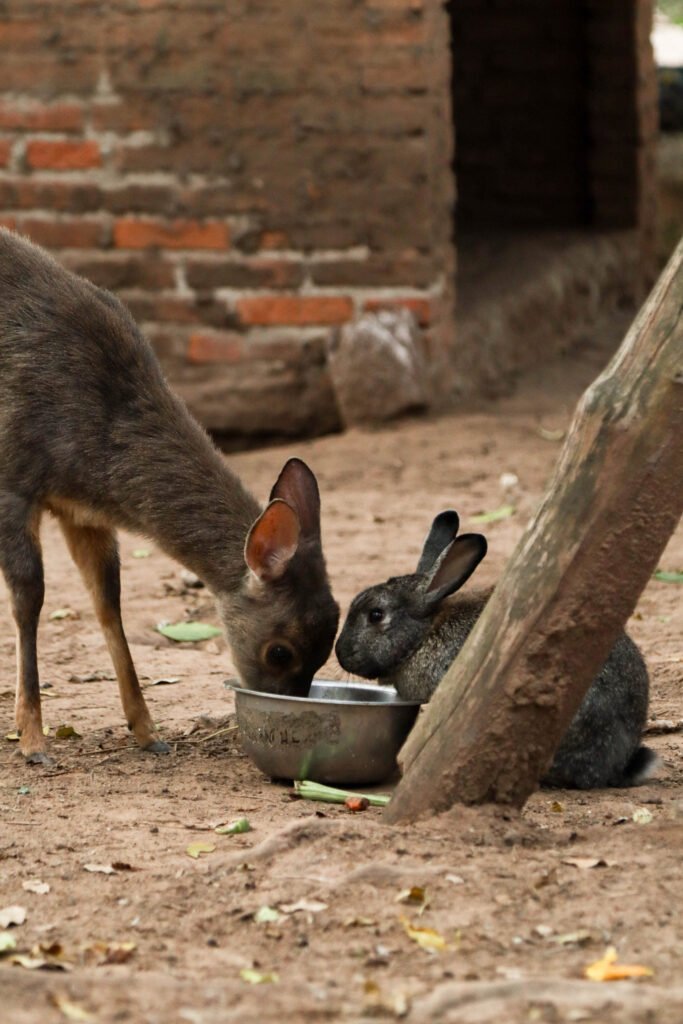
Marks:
<point>331,703</point>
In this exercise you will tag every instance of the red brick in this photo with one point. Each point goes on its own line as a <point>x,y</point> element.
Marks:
<point>63,234</point>
<point>420,308</point>
<point>130,233</point>
<point>257,273</point>
<point>5,152</point>
<point>41,117</point>
<point>43,154</point>
<point>299,310</point>
<point>214,348</point>
<point>15,34</point>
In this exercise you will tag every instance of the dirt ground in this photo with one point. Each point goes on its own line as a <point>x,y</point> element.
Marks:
<point>524,901</point>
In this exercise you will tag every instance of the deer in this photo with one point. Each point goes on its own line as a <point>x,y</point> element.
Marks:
<point>92,433</point>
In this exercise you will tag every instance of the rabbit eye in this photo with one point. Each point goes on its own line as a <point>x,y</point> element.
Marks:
<point>279,656</point>
<point>375,615</point>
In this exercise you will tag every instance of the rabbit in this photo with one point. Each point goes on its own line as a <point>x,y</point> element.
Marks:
<point>404,633</point>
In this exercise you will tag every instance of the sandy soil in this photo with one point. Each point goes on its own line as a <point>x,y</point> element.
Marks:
<point>514,895</point>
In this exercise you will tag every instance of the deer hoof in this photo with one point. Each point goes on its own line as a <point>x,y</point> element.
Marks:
<point>157,747</point>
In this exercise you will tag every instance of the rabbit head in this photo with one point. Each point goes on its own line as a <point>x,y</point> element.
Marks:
<point>390,620</point>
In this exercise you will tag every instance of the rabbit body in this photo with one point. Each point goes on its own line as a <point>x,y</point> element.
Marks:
<point>405,633</point>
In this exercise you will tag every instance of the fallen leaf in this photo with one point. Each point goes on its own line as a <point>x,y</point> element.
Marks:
<point>255,977</point>
<point>66,732</point>
<point>169,681</point>
<point>101,869</point>
<point>14,736</point>
<point>63,613</point>
<point>551,435</point>
<point>7,942</point>
<point>109,952</point>
<point>24,791</point>
<point>504,512</point>
<point>556,807</point>
<point>266,915</point>
<point>379,1003</point>
<point>307,906</point>
<point>235,828</point>
<point>508,481</point>
<point>359,922</point>
<point>357,803</point>
<point>36,886</point>
<point>585,862</point>
<point>642,816</point>
<point>188,632</point>
<point>141,553</point>
<point>49,956</point>
<point>455,879</point>
<point>122,865</point>
<point>668,577</point>
<point>426,938</point>
<point>578,938</point>
<point>195,850</point>
<point>415,895</point>
<point>607,969</point>
<point>71,1010</point>
<point>12,915</point>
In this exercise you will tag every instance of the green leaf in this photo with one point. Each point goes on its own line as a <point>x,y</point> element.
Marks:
<point>188,632</point>
<point>504,512</point>
<point>669,577</point>
<point>235,828</point>
<point>141,553</point>
<point>195,850</point>
<point>330,795</point>
<point>266,915</point>
<point>66,732</point>
<point>7,942</point>
<point>258,977</point>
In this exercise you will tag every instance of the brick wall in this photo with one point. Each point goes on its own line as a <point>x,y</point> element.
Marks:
<point>244,175</point>
<point>249,175</point>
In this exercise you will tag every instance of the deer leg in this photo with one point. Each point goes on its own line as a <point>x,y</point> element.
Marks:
<point>22,567</point>
<point>95,552</point>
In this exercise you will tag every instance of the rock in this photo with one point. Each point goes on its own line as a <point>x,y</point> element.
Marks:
<point>378,367</point>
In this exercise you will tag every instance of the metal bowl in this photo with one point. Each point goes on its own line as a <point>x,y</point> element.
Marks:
<point>342,733</point>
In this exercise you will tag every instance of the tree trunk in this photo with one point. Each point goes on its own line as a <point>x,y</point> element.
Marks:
<point>499,714</point>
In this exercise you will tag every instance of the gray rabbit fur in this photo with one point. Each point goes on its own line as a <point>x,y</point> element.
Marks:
<point>404,633</point>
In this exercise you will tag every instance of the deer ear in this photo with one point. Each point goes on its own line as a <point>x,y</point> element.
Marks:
<point>298,486</point>
<point>272,541</point>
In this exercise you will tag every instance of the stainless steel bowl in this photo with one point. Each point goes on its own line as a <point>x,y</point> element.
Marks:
<point>342,733</point>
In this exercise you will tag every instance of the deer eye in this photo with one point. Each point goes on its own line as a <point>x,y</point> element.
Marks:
<point>279,656</point>
<point>375,615</point>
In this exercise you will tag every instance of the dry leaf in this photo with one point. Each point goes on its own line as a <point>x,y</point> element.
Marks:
<point>7,942</point>
<point>66,732</point>
<point>586,862</point>
<point>102,869</point>
<point>255,977</point>
<point>642,816</point>
<point>165,681</point>
<point>551,435</point>
<point>195,850</point>
<point>307,906</point>
<point>455,879</point>
<point>416,894</point>
<point>63,613</point>
<point>49,956</point>
<point>426,938</point>
<point>607,969</point>
<point>578,938</point>
<point>35,885</point>
<point>12,915</point>
<point>110,952</point>
<point>14,736</point>
<point>71,1010</point>
<point>378,1003</point>
<point>556,807</point>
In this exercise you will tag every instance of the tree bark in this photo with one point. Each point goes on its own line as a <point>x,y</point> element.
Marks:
<point>500,712</point>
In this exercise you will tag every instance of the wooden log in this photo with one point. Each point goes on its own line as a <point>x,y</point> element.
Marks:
<point>497,717</point>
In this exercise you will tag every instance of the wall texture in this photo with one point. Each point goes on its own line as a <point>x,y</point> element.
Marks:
<point>244,175</point>
<point>249,175</point>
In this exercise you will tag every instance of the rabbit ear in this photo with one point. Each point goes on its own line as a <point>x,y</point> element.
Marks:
<point>455,566</point>
<point>298,486</point>
<point>442,531</point>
